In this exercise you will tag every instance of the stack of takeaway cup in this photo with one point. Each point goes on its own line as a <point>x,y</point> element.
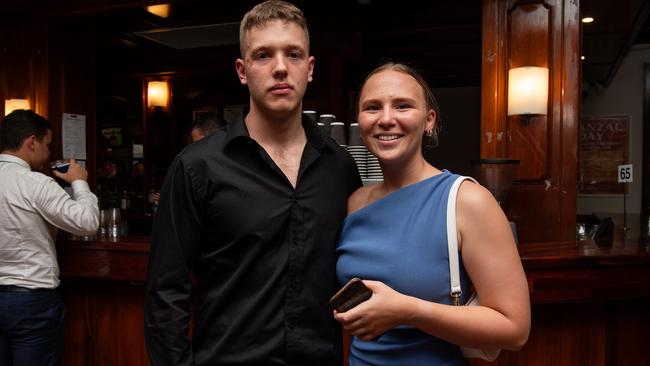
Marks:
<point>373,170</point>
<point>325,122</point>
<point>311,115</point>
<point>357,149</point>
<point>337,133</point>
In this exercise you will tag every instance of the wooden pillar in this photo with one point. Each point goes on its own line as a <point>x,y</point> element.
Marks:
<point>542,201</point>
<point>645,168</point>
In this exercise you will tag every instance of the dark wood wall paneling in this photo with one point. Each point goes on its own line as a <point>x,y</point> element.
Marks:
<point>51,65</point>
<point>542,201</point>
<point>72,80</point>
<point>23,65</point>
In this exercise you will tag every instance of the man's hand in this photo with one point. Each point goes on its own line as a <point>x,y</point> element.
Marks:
<point>75,171</point>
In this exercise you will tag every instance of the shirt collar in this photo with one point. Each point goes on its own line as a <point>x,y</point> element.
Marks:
<point>14,159</point>
<point>237,129</point>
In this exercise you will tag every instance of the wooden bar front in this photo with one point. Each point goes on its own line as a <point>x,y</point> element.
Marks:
<point>590,303</point>
<point>103,289</point>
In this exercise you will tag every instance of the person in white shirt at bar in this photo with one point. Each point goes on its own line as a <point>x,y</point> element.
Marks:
<point>32,207</point>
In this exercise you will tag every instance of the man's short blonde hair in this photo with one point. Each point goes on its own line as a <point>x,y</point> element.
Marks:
<point>268,11</point>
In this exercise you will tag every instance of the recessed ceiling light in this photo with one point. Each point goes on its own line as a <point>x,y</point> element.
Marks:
<point>159,10</point>
<point>582,57</point>
<point>587,20</point>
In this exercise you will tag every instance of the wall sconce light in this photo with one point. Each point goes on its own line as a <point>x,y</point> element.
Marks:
<point>13,104</point>
<point>527,91</point>
<point>158,94</point>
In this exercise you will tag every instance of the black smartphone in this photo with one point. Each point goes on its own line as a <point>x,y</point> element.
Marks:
<point>352,294</point>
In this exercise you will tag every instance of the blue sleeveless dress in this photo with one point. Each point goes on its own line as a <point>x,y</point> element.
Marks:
<point>401,240</point>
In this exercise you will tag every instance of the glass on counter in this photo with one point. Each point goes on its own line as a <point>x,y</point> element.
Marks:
<point>114,224</point>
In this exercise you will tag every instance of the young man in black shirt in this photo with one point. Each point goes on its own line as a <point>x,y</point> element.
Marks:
<point>253,212</point>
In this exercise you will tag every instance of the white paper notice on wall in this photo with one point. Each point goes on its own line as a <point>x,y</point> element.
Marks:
<point>73,136</point>
<point>625,173</point>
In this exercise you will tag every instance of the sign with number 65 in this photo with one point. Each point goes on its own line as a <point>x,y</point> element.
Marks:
<point>625,173</point>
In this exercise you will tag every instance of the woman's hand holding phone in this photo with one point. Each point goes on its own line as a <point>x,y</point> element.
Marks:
<point>352,294</point>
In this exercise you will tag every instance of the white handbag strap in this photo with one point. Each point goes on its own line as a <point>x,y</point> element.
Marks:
<point>452,239</point>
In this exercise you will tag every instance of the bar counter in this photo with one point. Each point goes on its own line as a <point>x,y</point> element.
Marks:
<point>586,271</point>
<point>590,302</point>
<point>125,259</point>
<point>557,272</point>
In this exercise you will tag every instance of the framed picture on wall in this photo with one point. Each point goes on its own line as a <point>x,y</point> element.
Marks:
<point>199,111</point>
<point>112,136</point>
<point>603,146</point>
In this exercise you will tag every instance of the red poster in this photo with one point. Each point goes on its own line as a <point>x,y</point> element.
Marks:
<point>603,146</point>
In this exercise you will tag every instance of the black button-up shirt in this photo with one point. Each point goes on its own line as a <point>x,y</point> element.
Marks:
<point>262,253</point>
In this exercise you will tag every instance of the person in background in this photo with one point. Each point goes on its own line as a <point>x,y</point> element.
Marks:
<point>137,177</point>
<point>394,238</point>
<point>111,182</point>
<point>109,169</point>
<point>32,207</point>
<point>253,212</point>
<point>206,125</point>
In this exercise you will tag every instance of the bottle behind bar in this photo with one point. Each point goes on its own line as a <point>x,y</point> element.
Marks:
<point>154,193</point>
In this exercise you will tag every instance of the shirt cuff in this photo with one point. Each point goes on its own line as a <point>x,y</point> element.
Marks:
<point>80,185</point>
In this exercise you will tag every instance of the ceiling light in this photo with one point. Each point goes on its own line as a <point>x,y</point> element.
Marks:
<point>162,10</point>
<point>587,20</point>
<point>582,57</point>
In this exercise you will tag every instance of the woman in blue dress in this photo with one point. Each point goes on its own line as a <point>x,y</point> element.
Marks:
<point>395,239</point>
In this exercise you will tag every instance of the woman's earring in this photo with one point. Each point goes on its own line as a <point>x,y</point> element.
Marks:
<point>429,133</point>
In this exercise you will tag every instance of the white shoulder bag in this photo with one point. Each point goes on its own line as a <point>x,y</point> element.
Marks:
<point>454,272</point>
